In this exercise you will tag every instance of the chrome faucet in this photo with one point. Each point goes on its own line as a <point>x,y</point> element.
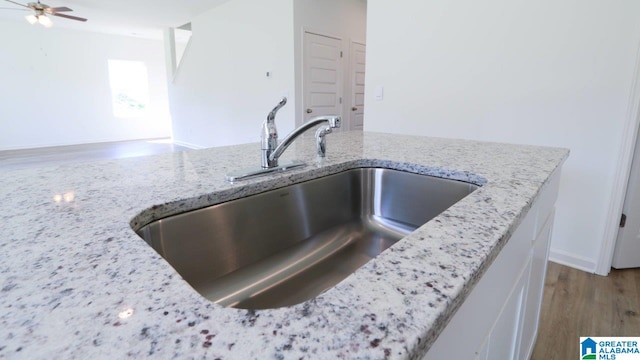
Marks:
<point>271,151</point>
<point>333,122</point>
<point>321,142</point>
<point>269,136</point>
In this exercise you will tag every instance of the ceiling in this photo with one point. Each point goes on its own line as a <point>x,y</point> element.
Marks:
<point>140,18</point>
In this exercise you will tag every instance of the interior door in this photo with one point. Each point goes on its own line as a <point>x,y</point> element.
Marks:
<point>627,252</point>
<point>358,52</point>
<point>322,78</point>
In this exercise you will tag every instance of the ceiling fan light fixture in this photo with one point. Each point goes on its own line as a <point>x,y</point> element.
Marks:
<point>40,12</point>
<point>32,19</point>
<point>45,21</point>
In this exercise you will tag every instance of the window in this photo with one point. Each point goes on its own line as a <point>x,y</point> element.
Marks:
<point>129,88</point>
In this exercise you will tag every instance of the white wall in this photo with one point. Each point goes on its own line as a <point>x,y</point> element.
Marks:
<point>544,72</point>
<point>344,19</point>
<point>221,94</point>
<point>54,87</point>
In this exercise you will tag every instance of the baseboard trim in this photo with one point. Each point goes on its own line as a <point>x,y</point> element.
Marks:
<point>93,142</point>
<point>575,261</point>
<point>187,145</point>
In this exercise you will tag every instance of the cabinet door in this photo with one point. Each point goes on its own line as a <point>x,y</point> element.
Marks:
<point>503,341</point>
<point>477,315</point>
<point>536,287</point>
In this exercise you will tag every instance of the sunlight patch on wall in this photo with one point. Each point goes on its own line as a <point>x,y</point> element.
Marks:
<point>129,83</point>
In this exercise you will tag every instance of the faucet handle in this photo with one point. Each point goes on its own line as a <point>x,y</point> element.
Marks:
<point>269,136</point>
<point>272,114</point>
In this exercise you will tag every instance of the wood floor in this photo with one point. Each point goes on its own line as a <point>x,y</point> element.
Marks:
<point>578,304</point>
<point>29,158</point>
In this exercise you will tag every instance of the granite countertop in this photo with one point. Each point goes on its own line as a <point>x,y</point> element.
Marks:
<point>77,282</point>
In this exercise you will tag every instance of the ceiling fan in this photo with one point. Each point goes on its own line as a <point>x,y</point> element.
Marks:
<point>42,10</point>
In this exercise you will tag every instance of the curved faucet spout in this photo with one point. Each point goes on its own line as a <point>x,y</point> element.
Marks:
<point>333,121</point>
<point>271,150</point>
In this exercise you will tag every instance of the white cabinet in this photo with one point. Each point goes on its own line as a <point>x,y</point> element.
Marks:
<point>503,340</point>
<point>531,314</point>
<point>499,318</point>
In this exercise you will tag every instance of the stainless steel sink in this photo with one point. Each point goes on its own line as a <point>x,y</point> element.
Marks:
<point>285,246</point>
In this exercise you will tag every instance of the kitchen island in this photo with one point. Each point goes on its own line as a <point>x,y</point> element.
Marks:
<point>77,282</point>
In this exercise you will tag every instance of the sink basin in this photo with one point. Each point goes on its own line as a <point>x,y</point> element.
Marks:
<point>285,246</point>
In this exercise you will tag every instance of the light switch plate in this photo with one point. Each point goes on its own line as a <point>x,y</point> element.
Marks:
<point>379,93</point>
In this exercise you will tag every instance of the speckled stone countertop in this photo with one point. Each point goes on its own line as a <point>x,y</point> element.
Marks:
<point>77,282</point>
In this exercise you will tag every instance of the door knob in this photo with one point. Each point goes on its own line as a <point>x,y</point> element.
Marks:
<point>354,108</point>
<point>309,111</point>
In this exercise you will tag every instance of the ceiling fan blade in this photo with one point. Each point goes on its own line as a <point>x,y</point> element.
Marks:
<point>6,8</point>
<point>13,2</point>
<point>57,9</point>
<point>69,17</point>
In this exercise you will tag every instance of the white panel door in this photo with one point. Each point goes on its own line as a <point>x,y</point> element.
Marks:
<point>358,52</point>
<point>627,251</point>
<point>322,78</point>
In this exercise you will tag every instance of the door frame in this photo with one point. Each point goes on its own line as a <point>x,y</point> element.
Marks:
<point>626,234</point>
<point>349,86</point>
<point>622,173</point>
